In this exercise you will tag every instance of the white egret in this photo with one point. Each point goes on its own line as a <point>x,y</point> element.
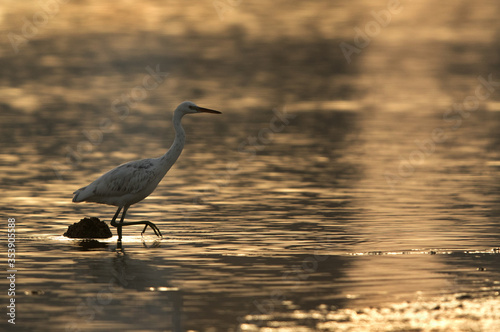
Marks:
<point>131,182</point>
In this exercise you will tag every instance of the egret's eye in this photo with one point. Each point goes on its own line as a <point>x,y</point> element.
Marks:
<point>192,107</point>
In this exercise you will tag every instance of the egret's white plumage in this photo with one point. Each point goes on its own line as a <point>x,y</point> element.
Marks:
<point>131,182</point>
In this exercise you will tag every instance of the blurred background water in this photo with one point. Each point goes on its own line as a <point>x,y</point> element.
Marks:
<point>351,183</point>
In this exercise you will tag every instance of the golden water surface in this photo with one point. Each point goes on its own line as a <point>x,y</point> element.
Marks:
<point>351,183</point>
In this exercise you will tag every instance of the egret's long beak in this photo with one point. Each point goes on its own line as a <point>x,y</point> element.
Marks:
<point>207,110</point>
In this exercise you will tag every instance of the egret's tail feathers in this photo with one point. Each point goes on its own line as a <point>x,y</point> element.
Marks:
<point>78,195</point>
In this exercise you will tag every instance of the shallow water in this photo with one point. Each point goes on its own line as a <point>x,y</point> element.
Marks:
<point>327,196</point>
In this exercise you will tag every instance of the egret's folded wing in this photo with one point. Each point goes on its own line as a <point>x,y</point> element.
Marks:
<point>125,179</point>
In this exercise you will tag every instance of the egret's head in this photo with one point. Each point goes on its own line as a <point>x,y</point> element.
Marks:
<point>188,107</point>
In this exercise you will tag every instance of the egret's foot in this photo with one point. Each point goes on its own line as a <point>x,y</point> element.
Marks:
<point>153,227</point>
<point>145,223</point>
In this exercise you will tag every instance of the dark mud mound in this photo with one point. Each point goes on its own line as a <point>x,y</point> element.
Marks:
<point>89,228</point>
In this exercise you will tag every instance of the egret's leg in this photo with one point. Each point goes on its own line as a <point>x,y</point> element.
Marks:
<point>146,224</point>
<point>122,223</point>
<point>115,224</point>
<point>119,229</point>
<point>116,215</point>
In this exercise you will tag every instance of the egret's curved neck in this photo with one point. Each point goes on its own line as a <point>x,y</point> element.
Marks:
<point>169,158</point>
